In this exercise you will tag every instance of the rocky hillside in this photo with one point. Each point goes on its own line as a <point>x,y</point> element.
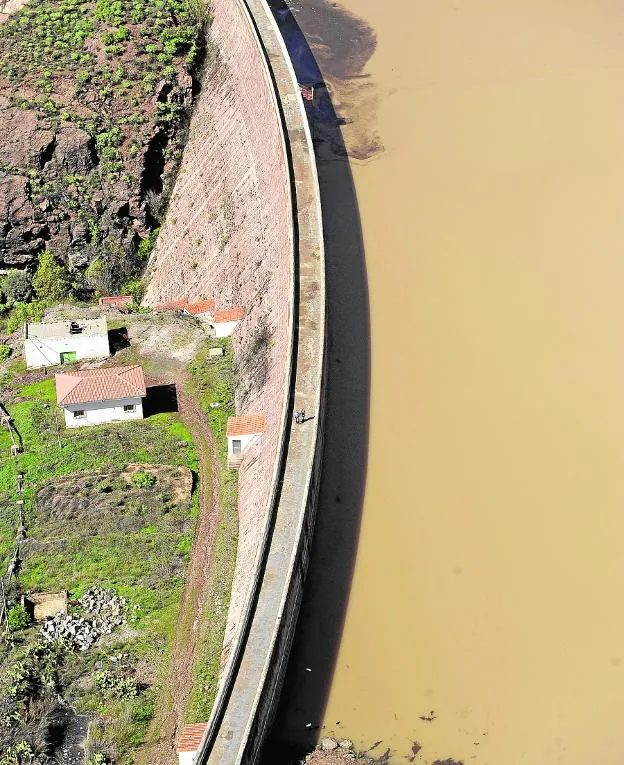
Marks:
<point>94,96</point>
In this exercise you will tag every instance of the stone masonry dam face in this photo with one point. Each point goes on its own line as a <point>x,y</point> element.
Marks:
<point>228,236</point>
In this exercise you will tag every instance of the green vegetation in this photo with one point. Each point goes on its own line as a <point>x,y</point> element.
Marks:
<point>18,618</point>
<point>121,72</point>
<point>142,480</point>
<point>89,523</point>
<point>17,286</point>
<point>212,382</point>
<point>50,281</point>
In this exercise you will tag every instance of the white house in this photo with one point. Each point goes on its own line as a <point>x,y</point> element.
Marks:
<point>224,322</point>
<point>63,342</point>
<point>190,741</point>
<point>242,432</point>
<point>93,396</point>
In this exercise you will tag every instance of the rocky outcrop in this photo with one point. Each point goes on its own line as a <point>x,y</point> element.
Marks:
<point>24,142</point>
<point>88,150</point>
<point>21,234</point>
<point>29,221</point>
<point>73,150</point>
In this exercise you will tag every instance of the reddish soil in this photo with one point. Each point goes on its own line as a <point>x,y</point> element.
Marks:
<point>160,748</point>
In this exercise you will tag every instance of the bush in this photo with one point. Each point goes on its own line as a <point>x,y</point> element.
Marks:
<point>136,288</point>
<point>5,352</point>
<point>117,686</point>
<point>18,618</point>
<point>17,286</point>
<point>146,245</point>
<point>50,280</point>
<point>24,312</point>
<point>143,480</point>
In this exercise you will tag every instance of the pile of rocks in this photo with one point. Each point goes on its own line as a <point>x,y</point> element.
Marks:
<point>104,610</point>
<point>329,744</point>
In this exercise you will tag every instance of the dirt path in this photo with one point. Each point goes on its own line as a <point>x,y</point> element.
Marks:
<point>160,748</point>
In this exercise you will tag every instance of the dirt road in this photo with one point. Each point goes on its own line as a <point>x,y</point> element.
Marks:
<point>160,746</point>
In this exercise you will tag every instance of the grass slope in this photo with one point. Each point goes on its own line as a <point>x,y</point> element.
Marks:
<point>138,547</point>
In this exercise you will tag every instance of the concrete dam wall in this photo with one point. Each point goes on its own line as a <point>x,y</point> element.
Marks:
<point>244,227</point>
<point>228,235</point>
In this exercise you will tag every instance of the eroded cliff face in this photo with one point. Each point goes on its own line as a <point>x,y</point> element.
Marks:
<point>93,102</point>
<point>228,236</point>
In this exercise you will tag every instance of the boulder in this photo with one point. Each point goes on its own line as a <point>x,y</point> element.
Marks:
<point>74,150</point>
<point>328,744</point>
<point>25,144</point>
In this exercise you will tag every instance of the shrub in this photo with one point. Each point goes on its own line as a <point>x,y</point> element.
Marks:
<point>143,480</point>
<point>50,280</point>
<point>19,754</point>
<point>117,686</point>
<point>5,352</point>
<point>17,286</point>
<point>24,312</point>
<point>18,618</point>
<point>136,288</point>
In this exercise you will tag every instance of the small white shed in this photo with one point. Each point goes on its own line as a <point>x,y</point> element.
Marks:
<point>224,322</point>
<point>94,396</point>
<point>242,432</point>
<point>64,342</point>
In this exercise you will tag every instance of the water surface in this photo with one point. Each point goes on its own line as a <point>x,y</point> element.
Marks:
<point>487,596</point>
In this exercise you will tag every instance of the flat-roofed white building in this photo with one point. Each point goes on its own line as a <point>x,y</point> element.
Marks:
<point>94,396</point>
<point>64,342</point>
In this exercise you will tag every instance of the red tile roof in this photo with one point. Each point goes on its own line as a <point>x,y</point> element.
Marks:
<point>91,385</point>
<point>229,314</point>
<point>116,300</point>
<point>191,737</point>
<point>202,306</point>
<point>246,425</point>
<point>174,305</point>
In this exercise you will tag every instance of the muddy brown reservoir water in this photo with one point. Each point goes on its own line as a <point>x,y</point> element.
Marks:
<point>486,615</point>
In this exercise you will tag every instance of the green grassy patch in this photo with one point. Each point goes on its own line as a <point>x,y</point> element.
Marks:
<point>90,524</point>
<point>212,382</point>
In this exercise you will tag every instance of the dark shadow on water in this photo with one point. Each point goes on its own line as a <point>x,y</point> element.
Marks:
<point>317,639</point>
<point>160,399</point>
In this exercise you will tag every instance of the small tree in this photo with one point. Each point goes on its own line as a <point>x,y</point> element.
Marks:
<point>50,281</point>
<point>17,286</point>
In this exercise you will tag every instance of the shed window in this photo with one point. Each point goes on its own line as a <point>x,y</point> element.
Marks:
<point>129,407</point>
<point>78,413</point>
<point>236,446</point>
